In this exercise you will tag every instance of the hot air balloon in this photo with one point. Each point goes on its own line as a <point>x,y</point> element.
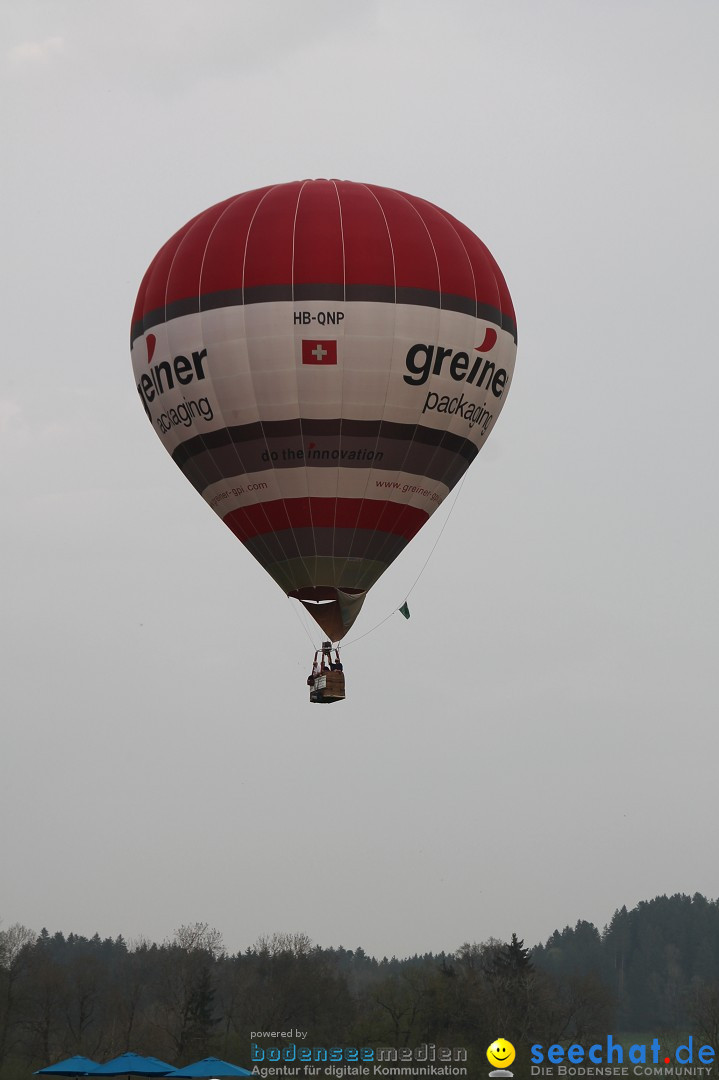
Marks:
<point>324,359</point>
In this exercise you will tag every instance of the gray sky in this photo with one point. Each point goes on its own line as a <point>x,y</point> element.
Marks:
<point>538,743</point>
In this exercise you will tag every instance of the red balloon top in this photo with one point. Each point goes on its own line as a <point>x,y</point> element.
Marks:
<point>322,240</point>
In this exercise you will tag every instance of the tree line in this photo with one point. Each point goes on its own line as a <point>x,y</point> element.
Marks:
<point>652,969</point>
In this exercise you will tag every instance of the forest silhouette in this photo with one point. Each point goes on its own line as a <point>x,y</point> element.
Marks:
<point>652,969</point>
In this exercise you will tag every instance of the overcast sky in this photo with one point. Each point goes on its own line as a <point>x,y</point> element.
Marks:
<point>538,743</point>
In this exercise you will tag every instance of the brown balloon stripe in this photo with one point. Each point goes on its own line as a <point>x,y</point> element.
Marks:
<point>337,293</point>
<point>360,444</point>
<point>340,543</point>
<point>315,577</point>
<point>314,513</point>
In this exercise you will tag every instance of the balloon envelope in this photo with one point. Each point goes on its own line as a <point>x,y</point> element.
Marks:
<point>323,360</point>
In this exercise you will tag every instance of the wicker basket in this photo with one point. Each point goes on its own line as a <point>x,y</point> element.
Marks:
<point>335,686</point>
<point>328,687</point>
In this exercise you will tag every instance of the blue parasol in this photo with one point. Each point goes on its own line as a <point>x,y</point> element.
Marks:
<point>72,1066</point>
<point>209,1067</point>
<point>132,1065</point>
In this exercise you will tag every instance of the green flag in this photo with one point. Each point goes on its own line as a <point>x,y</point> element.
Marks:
<point>404,610</point>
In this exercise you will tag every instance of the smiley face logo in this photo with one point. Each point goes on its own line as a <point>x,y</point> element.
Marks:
<point>500,1054</point>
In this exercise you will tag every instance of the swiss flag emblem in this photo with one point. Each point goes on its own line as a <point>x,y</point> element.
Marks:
<point>319,352</point>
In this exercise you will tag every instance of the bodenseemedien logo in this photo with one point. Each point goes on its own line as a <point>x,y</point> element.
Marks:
<point>341,1062</point>
<point>500,1054</point>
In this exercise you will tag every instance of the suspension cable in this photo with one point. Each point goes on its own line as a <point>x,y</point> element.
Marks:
<point>419,575</point>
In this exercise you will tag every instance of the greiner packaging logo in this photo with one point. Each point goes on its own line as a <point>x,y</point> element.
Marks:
<point>164,376</point>
<point>425,360</point>
<point>185,372</point>
<point>481,372</point>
